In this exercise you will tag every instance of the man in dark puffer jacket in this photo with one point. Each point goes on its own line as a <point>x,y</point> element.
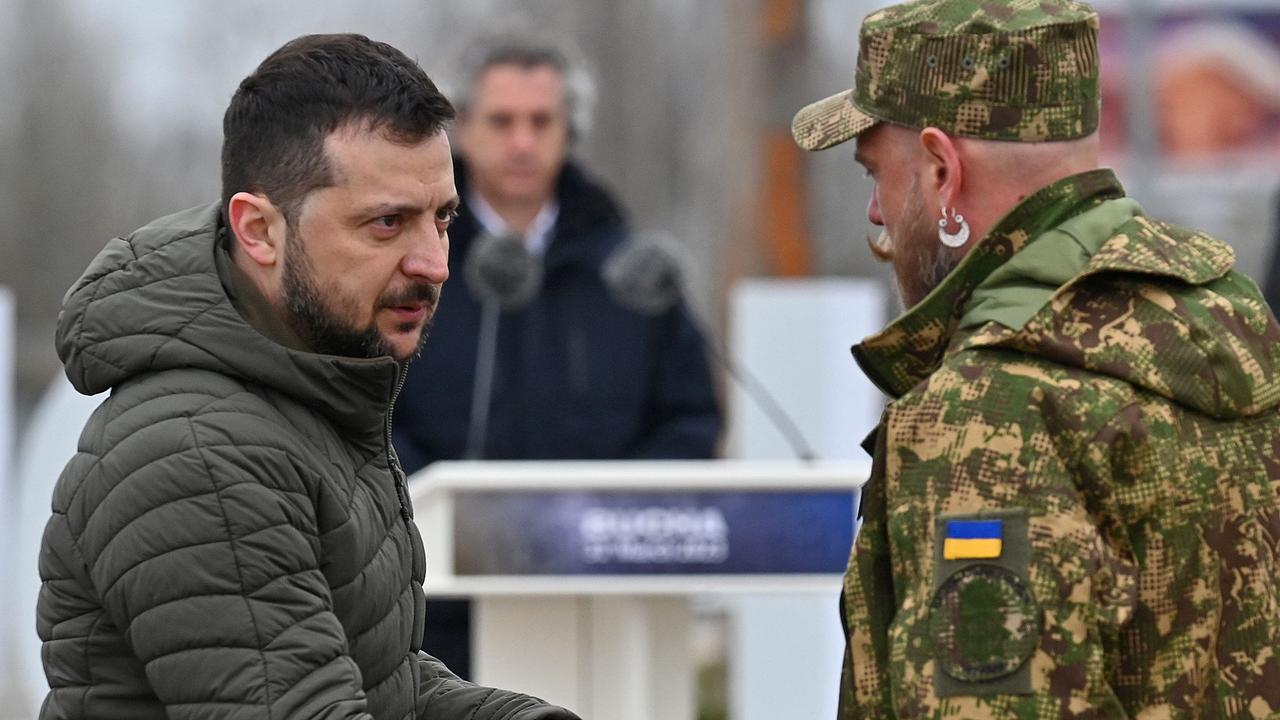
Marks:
<point>233,538</point>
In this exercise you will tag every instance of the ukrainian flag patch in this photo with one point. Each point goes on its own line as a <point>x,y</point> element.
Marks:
<point>973,539</point>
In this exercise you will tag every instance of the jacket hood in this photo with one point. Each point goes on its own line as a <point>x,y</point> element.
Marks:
<point>1156,306</point>
<point>1080,276</point>
<point>154,301</point>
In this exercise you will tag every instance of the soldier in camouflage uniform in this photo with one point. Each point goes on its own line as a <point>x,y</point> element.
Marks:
<point>1074,508</point>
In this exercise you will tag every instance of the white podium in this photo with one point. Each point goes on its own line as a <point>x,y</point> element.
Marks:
<point>582,572</point>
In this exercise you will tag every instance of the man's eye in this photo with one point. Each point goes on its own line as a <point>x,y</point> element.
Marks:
<point>387,222</point>
<point>447,215</point>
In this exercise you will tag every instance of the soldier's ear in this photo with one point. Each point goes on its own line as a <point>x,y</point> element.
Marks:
<point>258,227</point>
<point>943,171</point>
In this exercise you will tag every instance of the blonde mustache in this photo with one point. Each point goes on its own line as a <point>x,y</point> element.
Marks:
<point>882,246</point>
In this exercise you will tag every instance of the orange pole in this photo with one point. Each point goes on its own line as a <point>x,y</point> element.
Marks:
<point>784,206</point>
<point>780,19</point>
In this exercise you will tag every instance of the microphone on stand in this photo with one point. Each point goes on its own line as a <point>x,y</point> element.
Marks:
<point>502,275</point>
<point>646,274</point>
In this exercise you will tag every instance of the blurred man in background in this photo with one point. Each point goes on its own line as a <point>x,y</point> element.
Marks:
<point>234,537</point>
<point>1073,508</point>
<point>577,375</point>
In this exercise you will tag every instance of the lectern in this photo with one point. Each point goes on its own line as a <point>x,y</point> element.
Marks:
<point>582,572</point>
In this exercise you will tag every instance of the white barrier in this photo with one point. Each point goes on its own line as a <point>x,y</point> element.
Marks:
<point>794,335</point>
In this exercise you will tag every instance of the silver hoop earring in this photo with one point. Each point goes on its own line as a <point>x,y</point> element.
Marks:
<point>960,237</point>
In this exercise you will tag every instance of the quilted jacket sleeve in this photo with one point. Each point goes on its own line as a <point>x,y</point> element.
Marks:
<point>445,696</point>
<point>205,557</point>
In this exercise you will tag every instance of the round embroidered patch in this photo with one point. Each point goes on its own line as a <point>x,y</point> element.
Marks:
<point>985,623</point>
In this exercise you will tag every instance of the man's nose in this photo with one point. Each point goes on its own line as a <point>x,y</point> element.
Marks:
<point>428,258</point>
<point>523,136</point>
<point>873,209</point>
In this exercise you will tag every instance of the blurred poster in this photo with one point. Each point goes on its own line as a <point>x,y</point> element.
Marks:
<point>1216,85</point>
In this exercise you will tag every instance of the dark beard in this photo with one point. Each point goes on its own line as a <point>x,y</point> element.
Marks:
<point>321,329</point>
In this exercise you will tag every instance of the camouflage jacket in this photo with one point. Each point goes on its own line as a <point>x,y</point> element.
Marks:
<point>1074,508</point>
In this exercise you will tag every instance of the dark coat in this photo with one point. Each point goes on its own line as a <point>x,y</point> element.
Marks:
<point>233,538</point>
<point>578,376</point>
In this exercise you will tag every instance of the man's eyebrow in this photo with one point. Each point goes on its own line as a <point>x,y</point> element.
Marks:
<point>390,208</point>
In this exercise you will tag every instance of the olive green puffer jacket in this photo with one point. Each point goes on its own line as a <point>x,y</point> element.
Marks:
<point>233,538</point>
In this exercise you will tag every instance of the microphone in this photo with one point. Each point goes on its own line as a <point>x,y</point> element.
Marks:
<point>502,275</point>
<point>500,270</point>
<point>645,274</point>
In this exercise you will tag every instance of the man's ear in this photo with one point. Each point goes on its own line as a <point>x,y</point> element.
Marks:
<point>258,228</point>
<point>943,172</point>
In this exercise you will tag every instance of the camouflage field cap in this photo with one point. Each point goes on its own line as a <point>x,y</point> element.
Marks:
<point>1017,70</point>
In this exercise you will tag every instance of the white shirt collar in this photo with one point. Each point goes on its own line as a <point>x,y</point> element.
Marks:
<point>536,238</point>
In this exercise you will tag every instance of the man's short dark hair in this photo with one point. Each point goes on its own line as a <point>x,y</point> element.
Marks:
<point>275,127</point>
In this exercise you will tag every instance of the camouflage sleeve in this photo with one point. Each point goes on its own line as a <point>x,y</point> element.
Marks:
<point>867,605</point>
<point>1201,625</point>
<point>1006,583</point>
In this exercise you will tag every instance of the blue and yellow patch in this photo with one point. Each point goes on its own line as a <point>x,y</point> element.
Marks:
<point>973,539</point>
<point>983,617</point>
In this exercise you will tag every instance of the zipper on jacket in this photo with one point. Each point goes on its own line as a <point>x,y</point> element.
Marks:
<point>393,463</point>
